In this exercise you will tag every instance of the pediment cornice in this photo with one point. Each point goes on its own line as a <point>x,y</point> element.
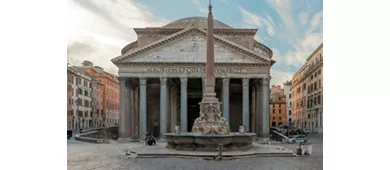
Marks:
<point>119,60</point>
<point>191,64</point>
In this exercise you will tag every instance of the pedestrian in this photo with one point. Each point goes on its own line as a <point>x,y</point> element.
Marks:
<point>149,139</point>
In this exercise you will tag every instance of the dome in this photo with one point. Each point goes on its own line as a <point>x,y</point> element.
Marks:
<point>200,22</point>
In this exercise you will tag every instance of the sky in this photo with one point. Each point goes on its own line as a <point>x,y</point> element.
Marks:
<point>99,29</point>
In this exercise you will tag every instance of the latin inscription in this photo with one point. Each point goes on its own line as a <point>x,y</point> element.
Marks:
<point>193,70</point>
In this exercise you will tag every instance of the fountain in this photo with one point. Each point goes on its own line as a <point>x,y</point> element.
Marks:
<point>210,129</point>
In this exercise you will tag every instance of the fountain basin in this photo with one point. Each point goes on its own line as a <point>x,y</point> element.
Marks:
<point>200,142</point>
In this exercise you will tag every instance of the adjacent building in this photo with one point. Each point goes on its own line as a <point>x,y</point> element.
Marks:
<point>314,80</point>
<point>287,93</point>
<point>69,99</point>
<point>307,95</point>
<point>108,85</point>
<point>277,104</point>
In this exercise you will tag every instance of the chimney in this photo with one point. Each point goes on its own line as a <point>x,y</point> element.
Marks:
<point>87,63</point>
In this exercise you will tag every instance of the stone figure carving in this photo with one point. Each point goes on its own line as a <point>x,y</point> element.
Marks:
<point>210,121</point>
<point>177,129</point>
<point>241,129</point>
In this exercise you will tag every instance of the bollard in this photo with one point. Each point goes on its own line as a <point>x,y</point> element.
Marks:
<point>219,157</point>
<point>309,149</point>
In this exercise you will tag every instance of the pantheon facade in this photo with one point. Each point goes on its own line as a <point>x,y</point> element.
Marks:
<point>162,74</point>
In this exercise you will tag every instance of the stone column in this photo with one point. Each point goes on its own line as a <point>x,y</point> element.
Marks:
<point>183,104</point>
<point>258,109</point>
<point>203,85</point>
<point>163,106</point>
<point>266,95</point>
<point>124,133</point>
<point>132,112</point>
<point>172,105</point>
<point>142,107</point>
<point>225,100</point>
<point>253,110</point>
<point>245,103</point>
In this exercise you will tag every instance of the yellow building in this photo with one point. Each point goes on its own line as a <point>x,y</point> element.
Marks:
<point>277,107</point>
<point>314,80</point>
<point>298,97</point>
<point>306,94</point>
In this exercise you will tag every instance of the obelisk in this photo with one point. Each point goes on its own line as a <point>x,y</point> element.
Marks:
<point>210,120</point>
<point>209,94</point>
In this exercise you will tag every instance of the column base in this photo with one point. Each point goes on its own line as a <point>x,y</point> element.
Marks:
<point>319,129</point>
<point>263,140</point>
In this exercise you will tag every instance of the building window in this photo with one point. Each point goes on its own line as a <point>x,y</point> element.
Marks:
<point>319,83</point>
<point>86,114</point>
<point>80,91</point>
<point>273,105</point>
<point>280,118</point>
<point>308,116</point>
<point>86,103</point>
<point>289,96</point>
<point>319,72</point>
<point>315,85</point>
<point>70,101</point>
<point>311,77</point>
<point>280,105</point>
<point>78,81</point>
<point>319,99</point>
<point>273,117</point>
<point>85,93</point>
<point>280,111</point>
<point>289,112</point>
<point>273,111</point>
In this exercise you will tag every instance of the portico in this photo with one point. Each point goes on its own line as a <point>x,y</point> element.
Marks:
<point>162,79</point>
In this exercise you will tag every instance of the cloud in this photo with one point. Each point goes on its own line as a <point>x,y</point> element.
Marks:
<point>315,22</point>
<point>276,54</point>
<point>202,8</point>
<point>251,19</point>
<point>225,1</point>
<point>98,30</point>
<point>278,77</point>
<point>303,17</point>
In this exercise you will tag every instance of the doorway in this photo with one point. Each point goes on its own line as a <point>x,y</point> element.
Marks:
<point>193,111</point>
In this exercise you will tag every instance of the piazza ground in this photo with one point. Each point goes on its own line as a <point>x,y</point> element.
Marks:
<point>82,156</point>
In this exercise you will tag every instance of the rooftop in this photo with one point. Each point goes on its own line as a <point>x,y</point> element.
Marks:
<point>200,22</point>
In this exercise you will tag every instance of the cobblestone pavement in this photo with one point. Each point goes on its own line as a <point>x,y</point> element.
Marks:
<point>86,156</point>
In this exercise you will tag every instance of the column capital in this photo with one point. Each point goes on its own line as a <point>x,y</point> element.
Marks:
<point>143,80</point>
<point>266,80</point>
<point>163,80</point>
<point>183,82</point>
<point>245,81</point>
<point>225,81</point>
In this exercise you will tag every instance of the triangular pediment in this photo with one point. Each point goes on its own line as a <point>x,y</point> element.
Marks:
<point>189,46</point>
